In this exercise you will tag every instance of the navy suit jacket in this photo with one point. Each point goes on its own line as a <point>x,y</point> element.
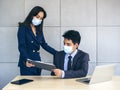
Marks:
<point>29,44</point>
<point>79,66</point>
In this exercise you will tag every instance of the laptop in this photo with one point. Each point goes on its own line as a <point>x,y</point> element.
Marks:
<point>101,74</point>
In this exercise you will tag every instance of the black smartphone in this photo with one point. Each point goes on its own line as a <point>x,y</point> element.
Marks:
<point>21,81</point>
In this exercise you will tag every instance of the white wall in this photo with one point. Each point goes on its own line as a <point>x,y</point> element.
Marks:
<point>98,22</point>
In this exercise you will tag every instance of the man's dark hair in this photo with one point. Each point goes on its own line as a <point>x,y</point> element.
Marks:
<point>73,35</point>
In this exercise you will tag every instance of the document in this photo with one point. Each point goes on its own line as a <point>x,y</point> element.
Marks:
<point>42,65</point>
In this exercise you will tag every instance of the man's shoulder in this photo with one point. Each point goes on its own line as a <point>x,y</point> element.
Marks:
<point>82,52</point>
<point>60,52</point>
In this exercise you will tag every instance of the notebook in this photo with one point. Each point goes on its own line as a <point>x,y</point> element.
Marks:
<point>101,74</point>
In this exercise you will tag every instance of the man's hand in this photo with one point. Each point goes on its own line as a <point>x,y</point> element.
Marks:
<point>57,72</point>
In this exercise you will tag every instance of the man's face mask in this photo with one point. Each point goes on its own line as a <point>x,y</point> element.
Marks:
<point>67,49</point>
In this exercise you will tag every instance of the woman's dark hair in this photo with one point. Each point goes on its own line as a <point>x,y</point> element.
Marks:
<point>33,13</point>
<point>73,35</point>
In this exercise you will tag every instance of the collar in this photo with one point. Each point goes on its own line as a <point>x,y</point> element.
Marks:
<point>73,54</point>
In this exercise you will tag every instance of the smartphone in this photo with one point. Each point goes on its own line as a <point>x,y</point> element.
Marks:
<point>21,81</point>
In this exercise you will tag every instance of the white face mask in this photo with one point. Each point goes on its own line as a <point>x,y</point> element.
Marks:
<point>36,21</point>
<point>67,49</point>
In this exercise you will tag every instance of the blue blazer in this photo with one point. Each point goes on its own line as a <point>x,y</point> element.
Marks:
<point>79,66</point>
<point>29,44</point>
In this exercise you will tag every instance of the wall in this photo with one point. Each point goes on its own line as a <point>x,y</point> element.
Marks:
<point>98,22</point>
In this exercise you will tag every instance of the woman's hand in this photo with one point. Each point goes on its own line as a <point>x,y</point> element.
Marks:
<point>28,64</point>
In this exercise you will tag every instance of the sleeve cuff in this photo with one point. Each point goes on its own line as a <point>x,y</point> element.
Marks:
<point>63,74</point>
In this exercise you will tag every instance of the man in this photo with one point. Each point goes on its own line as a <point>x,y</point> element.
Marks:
<point>72,62</point>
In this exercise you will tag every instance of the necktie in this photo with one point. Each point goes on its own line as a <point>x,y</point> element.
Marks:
<point>69,62</point>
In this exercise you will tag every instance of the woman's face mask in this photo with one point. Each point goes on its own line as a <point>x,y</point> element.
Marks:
<point>67,49</point>
<point>36,21</point>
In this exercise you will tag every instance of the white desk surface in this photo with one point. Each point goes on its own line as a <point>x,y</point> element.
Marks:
<point>54,83</point>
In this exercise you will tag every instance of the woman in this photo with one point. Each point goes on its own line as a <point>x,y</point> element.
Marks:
<point>30,38</point>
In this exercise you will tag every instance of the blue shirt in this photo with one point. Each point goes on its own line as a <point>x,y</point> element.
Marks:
<point>66,61</point>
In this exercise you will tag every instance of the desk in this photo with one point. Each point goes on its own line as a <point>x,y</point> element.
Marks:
<point>54,83</point>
